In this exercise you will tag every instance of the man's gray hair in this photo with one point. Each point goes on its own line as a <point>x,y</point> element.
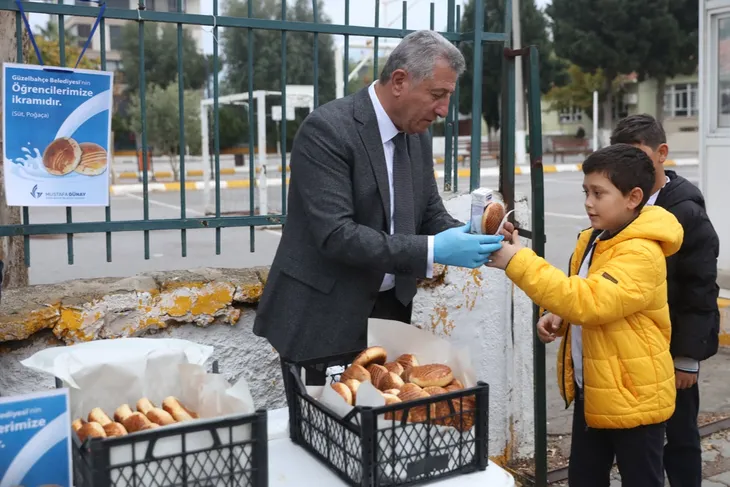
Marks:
<point>418,53</point>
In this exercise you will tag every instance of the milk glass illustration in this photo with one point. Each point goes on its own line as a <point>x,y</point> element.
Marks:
<point>57,133</point>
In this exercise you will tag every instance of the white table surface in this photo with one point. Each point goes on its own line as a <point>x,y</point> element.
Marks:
<point>290,465</point>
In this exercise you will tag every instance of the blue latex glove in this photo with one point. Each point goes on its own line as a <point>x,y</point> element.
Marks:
<point>458,247</point>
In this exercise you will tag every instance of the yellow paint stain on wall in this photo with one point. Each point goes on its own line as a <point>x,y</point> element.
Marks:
<point>218,297</point>
<point>37,320</point>
<point>251,293</point>
<point>180,307</point>
<point>441,320</point>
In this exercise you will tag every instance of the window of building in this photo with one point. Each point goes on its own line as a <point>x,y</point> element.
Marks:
<point>681,100</point>
<point>83,31</point>
<point>570,115</point>
<point>120,4</point>
<point>620,107</point>
<point>115,37</point>
<point>723,71</point>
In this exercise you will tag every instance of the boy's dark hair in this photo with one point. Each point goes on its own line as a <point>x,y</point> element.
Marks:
<point>626,166</point>
<point>639,129</point>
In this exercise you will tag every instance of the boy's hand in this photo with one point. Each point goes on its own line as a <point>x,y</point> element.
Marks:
<point>501,258</point>
<point>547,326</point>
<point>507,230</point>
<point>684,380</point>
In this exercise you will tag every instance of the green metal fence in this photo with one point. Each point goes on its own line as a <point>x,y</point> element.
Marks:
<point>215,22</point>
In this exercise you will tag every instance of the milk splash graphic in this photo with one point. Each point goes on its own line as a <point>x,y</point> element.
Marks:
<point>31,167</point>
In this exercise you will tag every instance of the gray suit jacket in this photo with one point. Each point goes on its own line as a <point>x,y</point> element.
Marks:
<point>335,247</point>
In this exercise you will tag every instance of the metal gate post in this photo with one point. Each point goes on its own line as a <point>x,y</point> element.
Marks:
<point>476,99</point>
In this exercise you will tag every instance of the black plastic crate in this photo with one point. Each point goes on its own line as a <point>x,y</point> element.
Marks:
<point>380,448</point>
<point>231,451</point>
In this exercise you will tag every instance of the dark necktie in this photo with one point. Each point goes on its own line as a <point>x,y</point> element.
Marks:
<point>403,214</point>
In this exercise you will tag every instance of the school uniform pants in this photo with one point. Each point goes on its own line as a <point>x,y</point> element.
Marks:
<point>638,453</point>
<point>683,451</point>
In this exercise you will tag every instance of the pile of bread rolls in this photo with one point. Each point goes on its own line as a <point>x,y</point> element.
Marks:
<point>125,421</point>
<point>404,379</point>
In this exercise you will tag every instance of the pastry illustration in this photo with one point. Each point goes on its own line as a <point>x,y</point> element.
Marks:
<point>62,156</point>
<point>492,218</point>
<point>93,159</point>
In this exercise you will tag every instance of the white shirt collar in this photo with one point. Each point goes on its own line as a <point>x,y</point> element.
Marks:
<point>387,128</point>
<point>652,198</point>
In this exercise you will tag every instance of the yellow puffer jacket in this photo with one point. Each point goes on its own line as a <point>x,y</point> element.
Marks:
<point>628,373</point>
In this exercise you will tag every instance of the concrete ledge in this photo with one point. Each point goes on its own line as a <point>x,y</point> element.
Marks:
<point>84,310</point>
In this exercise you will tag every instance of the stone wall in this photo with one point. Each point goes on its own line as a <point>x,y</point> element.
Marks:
<point>476,309</point>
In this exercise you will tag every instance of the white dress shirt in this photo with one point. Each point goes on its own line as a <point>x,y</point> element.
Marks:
<point>388,130</point>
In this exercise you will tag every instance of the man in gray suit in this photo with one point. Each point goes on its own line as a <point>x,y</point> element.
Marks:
<point>365,216</point>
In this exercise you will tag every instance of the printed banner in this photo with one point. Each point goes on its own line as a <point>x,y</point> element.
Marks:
<point>35,440</point>
<point>57,135</point>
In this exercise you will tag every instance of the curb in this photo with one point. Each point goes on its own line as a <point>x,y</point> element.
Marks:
<point>523,170</point>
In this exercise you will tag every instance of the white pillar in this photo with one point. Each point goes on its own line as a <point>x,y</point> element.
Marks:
<point>520,149</point>
<point>339,73</point>
<point>595,120</point>
<point>206,155</point>
<point>261,129</point>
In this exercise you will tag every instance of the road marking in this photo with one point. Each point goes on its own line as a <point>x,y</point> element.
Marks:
<point>189,210</point>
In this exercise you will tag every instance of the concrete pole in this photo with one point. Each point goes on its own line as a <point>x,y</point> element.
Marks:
<point>206,155</point>
<point>595,120</point>
<point>520,149</point>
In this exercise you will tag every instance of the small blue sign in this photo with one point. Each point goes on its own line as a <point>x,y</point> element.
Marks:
<point>35,440</point>
<point>56,133</point>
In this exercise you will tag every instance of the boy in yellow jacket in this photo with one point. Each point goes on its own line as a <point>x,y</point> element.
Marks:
<point>612,311</point>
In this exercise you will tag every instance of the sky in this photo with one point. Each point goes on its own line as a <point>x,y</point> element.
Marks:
<point>362,12</point>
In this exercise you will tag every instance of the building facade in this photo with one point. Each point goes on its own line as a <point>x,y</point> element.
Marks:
<point>82,26</point>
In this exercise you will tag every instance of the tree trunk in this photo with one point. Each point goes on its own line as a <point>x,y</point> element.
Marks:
<point>661,85</point>
<point>12,252</point>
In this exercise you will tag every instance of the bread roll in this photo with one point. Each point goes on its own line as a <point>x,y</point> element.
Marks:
<point>77,424</point>
<point>492,218</point>
<point>98,416</point>
<point>115,429</point>
<point>395,367</point>
<point>407,360</point>
<point>409,388</point>
<point>357,372</point>
<point>91,430</point>
<point>442,411</point>
<point>455,385</point>
<point>144,405</point>
<point>150,426</point>
<point>432,375</point>
<point>122,413</point>
<point>135,422</point>
<point>465,408</point>
<point>62,156</point>
<point>343,391</point>
<point>391,399</point>
<point>371,355</point>
<point>393,392</point>
<point>353,385</point>
<point>176,410</point>
<point>160,416</point>
<point>93,159</point>
<point>391,381</point>
<point>377,374</point>
<point>418,414</point>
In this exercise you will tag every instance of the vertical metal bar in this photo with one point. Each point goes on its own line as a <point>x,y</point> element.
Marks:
<point>458,99</point>
<point>431,25</point>
<point>26,212</point>
<point>508,125</point>
<point>404,16</point>
<point>145,162</point>
<point>538,245</point>
<point>448,123</point>
<point>315,81</point>
<point>62,57</point>
<point>376,43</point>
<point>251,128</point>
<point>181,104</point>
<point>108,209</point>
<point>476,99</point>
<point>216,131</point>
<point>284,138</point>
<point>347,50</point>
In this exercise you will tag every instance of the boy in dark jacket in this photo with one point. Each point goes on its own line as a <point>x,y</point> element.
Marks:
<point>692,293</point>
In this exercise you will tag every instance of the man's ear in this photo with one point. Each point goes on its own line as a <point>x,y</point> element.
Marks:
<point>663,151</point>
<point>398,81</point>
